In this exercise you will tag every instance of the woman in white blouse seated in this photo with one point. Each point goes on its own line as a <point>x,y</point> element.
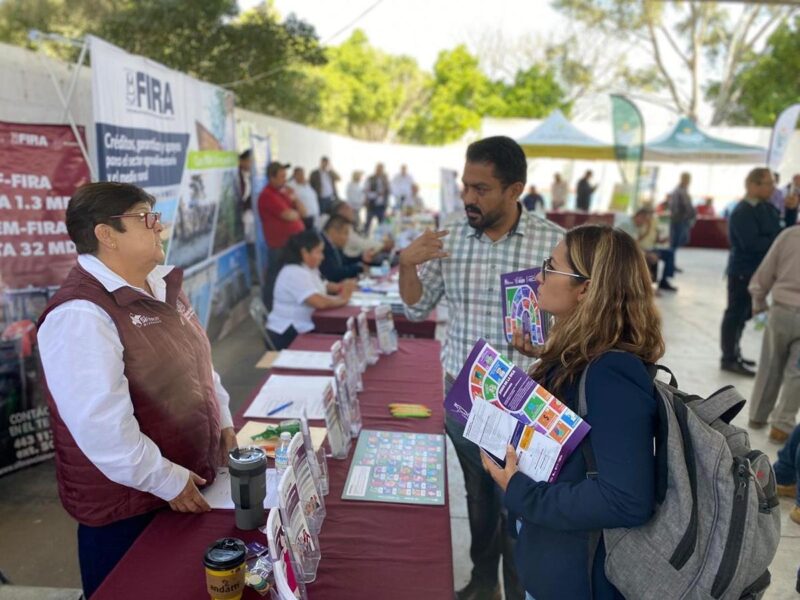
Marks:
<point>300,290</point>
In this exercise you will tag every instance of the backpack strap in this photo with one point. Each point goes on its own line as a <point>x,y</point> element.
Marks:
<point>596,535</point>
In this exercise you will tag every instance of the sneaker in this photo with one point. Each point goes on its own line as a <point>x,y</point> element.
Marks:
<point>477,591</point>
<point>756,424</point>
<point>787,491</point>
<point>737,368</point>
<point>776,436</point>
<point>677,270</point>
<point>747,362</point>
<point>667,286</point>
<point>794,514</point>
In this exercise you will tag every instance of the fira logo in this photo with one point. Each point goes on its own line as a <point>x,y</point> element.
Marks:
<point>148,93</point>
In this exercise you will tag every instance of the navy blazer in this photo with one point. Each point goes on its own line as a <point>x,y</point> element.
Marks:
<point>552,551</point>
<point>336,266</point>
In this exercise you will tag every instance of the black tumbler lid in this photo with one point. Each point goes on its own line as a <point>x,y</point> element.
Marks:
<point>225,553</point>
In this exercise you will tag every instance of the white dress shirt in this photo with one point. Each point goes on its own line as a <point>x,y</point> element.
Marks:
<point>325,184</point>
<point>307,195</point>
<point>355,195</point>
<point>402,187</point>
<point>81,353</point>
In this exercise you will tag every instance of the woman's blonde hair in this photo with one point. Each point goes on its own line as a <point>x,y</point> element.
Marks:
<point>617,310</point>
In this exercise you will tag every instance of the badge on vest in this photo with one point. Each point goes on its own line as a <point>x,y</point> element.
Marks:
<point>144,321</point>
<point>185,311</point>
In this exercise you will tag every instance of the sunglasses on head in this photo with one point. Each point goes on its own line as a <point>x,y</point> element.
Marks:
<point>547,267</point>
<point>150,218</point>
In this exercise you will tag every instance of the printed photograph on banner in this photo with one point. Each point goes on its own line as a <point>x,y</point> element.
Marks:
<point>231,296</point>
<point>198,285</point>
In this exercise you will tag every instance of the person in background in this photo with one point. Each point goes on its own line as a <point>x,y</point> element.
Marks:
<point>787,472</point>
<point>335,265</point>
<point>753,226</point>
<point>415,203</point>
<point>707,208</point>
<point>533,200</point>
<point>360,247</point>
<point>647,239</point>
<point>140,419</point>
<point>245,188</point>
<point>377,192</point>
<point>323,180</point>
<point>282,216</point>
<point>778,275</point>
<point>245,164</point>
<point>607,327</point>
<point>402,185</point>
<point>682,215</point>
<point>778,196</point>
<point>558,192</point>
<point>463,266</point>
<point>584,191</point>
<point>307,196</point>
<point>792,190</point>
<point>300,290</point>
<point>355,197</point>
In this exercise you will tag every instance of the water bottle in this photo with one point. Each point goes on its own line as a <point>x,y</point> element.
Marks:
<point>385,268</point>
<point>282,454</point>
<point>760,321</point>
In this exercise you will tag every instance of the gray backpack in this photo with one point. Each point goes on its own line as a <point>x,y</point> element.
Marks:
<point>716,525</point>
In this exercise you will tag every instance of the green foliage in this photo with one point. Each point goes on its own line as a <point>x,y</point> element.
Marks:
<point>772,83</point>
<point>279,67</point>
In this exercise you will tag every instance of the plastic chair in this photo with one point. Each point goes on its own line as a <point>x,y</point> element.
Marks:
<point>260,313</point>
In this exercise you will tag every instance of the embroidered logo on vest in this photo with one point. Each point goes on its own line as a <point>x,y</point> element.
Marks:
<point>144,321</point>
<point>186,312</point>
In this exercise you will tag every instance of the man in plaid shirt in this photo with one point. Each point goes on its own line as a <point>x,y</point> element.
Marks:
<point>464,266</point>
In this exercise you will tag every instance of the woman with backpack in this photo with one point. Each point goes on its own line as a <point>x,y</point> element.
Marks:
<point>597,286</point>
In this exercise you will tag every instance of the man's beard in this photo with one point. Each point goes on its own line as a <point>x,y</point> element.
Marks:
<point>480,221</point>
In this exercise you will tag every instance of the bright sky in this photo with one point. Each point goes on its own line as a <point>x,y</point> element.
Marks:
<point>420,28</point>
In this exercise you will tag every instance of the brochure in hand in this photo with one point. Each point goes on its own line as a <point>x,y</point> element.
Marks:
<point>521,305</point>
<point>499,405</point>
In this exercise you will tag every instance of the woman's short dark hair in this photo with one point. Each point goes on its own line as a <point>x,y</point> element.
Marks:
<point>94,204</point>
<point>504,154</point>
<point>305,240</point>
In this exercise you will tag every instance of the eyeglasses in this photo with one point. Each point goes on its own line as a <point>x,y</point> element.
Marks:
<point>150,218</point>
<point>547,267</point>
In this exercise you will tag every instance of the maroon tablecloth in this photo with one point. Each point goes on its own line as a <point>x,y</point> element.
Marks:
<point>709,232</point>
<point>569,219</point>
<point>334,320</point>
<point>370,550</point>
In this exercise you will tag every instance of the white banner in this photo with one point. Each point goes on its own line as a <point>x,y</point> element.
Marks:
<point>781,134</point>
<point>174,136</point>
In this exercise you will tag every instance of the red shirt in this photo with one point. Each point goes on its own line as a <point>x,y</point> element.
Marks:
<point>272,202</point>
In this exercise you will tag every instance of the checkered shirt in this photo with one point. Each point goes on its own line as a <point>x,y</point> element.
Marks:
<point>469,281</point>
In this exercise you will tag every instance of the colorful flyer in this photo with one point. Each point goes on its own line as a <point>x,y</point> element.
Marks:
<point>394,466</point>
<point>542,424</point>
<point>521,305</point>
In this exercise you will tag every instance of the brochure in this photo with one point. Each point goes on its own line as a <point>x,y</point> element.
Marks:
<point>336,424</point>
<point>542,425</point>
<point>303,542</point>
<point>310,499</point>
<point>521,305</point>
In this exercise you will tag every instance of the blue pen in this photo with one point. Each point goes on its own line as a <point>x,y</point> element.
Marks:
<point>280,408</point>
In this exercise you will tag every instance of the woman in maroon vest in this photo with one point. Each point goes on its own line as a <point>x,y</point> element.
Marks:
<point>140,418</point>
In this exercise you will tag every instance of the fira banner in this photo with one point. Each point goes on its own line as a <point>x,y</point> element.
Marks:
<point>40,168</point>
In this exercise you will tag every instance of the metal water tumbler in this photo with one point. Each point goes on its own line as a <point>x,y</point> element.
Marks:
<point>248,469</point>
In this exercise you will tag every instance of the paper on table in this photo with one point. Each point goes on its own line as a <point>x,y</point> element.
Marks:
<point>218,494</point>
<point>301,391</point>
<point>302,359</point>
<point>244,437</point>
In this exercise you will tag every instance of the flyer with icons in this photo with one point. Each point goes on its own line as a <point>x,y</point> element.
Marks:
<point>521,305</point>
<point>394,466</point>
<point>499,405</point>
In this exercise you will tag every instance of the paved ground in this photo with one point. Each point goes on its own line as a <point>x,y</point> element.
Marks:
<point>37,539</point>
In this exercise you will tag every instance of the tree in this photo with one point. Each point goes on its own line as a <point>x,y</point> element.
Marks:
<point>364,92</point>
<point>697,36</point>
<point>255,54</point>
<point>772,83</point>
